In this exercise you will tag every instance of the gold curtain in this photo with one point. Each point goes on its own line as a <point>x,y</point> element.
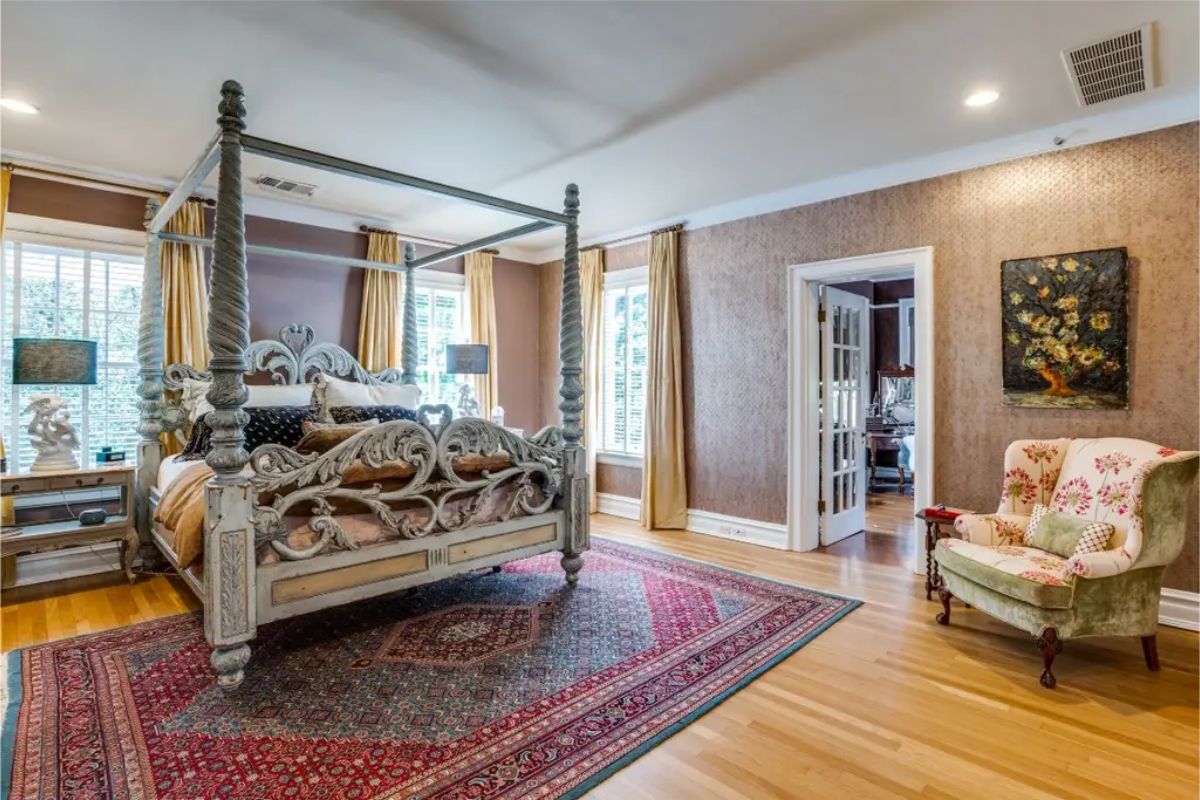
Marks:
<point>381,322</point>
<point>185,297</point>
<point>664,479</point>
<point>591,293</point>
<point>481,305</point>
<point>185,293</point>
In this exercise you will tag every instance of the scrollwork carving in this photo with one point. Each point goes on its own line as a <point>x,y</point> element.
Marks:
<point>295,478</point>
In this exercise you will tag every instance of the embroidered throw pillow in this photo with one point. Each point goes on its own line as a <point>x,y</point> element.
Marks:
<point>345,415</point>
<point>310,425</point>
<point>1067,535</point>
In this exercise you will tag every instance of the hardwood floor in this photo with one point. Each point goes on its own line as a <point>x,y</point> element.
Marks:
<point>884,704</point>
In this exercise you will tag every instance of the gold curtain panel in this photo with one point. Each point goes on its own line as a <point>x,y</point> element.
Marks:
<point>379,324</point>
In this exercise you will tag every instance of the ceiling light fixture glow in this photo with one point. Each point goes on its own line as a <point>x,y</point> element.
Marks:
<point>19,106</point>
<point>981,98</point>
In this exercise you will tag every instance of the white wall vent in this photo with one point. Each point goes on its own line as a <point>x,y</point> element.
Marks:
<point>1115,67</point>
<point>283,186</point>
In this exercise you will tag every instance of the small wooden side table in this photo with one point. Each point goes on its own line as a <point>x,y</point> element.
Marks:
<point>933,532</point>
<point>42,537</point>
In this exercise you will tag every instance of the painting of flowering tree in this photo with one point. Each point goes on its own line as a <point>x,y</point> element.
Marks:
<point>1066,329</point>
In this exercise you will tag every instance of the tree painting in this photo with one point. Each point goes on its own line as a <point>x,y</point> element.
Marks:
<point>1065,328</point>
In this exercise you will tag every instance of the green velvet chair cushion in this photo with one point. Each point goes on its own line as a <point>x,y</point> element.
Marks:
<point>1021,573</point>
<point>1067,535</point>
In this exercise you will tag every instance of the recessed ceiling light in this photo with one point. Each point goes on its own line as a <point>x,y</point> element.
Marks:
<point>981,98</point>
<point>19,106</point>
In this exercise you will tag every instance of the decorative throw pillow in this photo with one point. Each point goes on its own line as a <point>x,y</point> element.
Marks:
<point>310,425</point>
<point>273,395</point>
<point>345,415</point>
<point>1035,518</point>
<point>198,443</point>
<point>266,425</point>
<point>324,439</point>
<point>1067,535</point>
<point>339,392</point>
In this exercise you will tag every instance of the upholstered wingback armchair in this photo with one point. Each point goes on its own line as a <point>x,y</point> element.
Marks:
<point>1110,515</point>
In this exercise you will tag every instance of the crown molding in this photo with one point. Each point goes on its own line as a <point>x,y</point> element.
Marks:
<point>1142,118</point>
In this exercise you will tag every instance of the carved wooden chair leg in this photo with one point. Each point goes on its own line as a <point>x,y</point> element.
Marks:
<point>943,618</point>
<point>1051,646</point>
<point>1150,651</point>
<point>571,564</point>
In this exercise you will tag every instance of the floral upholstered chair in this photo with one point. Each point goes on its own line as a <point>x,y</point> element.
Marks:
<point>1108,516</point>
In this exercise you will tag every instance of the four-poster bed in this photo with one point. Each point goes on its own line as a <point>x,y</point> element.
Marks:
<point>251,568</point>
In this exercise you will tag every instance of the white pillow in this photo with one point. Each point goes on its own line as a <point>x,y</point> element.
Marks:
<point>340,392</point>
<point>298,394</point>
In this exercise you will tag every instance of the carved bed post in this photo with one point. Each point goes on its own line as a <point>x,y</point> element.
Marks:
<point>229,609</point>
<point>150,359</point>
<point>570,348</point>
<point>408,352</point>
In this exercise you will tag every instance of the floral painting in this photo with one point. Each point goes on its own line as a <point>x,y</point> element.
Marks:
<point>1066,330</point>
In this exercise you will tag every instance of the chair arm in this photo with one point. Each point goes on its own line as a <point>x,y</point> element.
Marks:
<point>992,529</point>
<point>1104,564</point>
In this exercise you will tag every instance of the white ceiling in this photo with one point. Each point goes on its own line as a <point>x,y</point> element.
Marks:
<point>654,109</point>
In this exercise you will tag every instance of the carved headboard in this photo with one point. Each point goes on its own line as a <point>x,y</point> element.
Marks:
<point>293,358</point>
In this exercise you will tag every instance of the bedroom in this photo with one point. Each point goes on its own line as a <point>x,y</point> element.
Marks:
<point>495,589</point>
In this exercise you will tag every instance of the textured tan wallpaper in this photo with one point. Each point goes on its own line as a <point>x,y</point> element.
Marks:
<point>1140,192</point>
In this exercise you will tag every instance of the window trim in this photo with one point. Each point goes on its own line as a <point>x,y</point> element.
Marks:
<point>620,279</point>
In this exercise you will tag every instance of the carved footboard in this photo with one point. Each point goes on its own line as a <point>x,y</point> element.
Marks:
<point>317,481</point>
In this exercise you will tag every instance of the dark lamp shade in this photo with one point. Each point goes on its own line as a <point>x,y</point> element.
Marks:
<point>53,361</point>
<point>467,359</point>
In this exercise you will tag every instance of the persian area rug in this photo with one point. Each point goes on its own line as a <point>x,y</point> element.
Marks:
<point>485,686</point>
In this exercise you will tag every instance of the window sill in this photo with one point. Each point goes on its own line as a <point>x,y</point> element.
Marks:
<point>619,459</point>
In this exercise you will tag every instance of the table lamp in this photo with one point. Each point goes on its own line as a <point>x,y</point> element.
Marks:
<point>467,359</point>
<point>41,362</point>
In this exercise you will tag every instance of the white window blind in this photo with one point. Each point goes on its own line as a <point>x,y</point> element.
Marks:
<point>441,320</point>
<point>63,292</point>
<point>623,362</point>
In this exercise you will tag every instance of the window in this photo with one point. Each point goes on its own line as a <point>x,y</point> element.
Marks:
<point>908,331</point>
<point>441,320</point>
<point>623,362</point>
<point>53,291</point>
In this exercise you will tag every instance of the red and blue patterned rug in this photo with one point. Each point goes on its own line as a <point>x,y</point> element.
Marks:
<point>486,686</point>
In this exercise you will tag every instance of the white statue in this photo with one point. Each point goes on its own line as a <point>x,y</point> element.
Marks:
<point>468,406</point>
<point>51,433</point>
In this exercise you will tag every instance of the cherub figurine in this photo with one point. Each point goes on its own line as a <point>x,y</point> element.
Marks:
<point>51,433</point>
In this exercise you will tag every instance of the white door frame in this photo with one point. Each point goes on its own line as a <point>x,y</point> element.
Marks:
<point>804,376</point>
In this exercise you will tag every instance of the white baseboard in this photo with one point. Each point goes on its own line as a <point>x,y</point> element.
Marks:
<point>619,505</point>
<point>71,563</point>
<point>1179,609</point>
<point>739,529</point>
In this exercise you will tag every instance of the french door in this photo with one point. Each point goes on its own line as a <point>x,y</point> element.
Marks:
<point>845,353</point>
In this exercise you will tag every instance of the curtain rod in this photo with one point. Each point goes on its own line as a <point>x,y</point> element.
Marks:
<point>678,226</point>
<point>92,183</point>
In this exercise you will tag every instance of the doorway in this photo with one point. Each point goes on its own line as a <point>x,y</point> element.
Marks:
<point>833,386</point>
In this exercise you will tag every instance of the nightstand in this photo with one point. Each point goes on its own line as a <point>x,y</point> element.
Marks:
<point>40,537</point>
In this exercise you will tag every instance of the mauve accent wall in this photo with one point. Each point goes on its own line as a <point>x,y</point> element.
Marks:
<point>1140,192</point>
<point>325,295</point>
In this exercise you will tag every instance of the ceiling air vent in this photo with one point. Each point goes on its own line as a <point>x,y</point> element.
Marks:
<point>1115,67</point>
<point>284,186</point>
